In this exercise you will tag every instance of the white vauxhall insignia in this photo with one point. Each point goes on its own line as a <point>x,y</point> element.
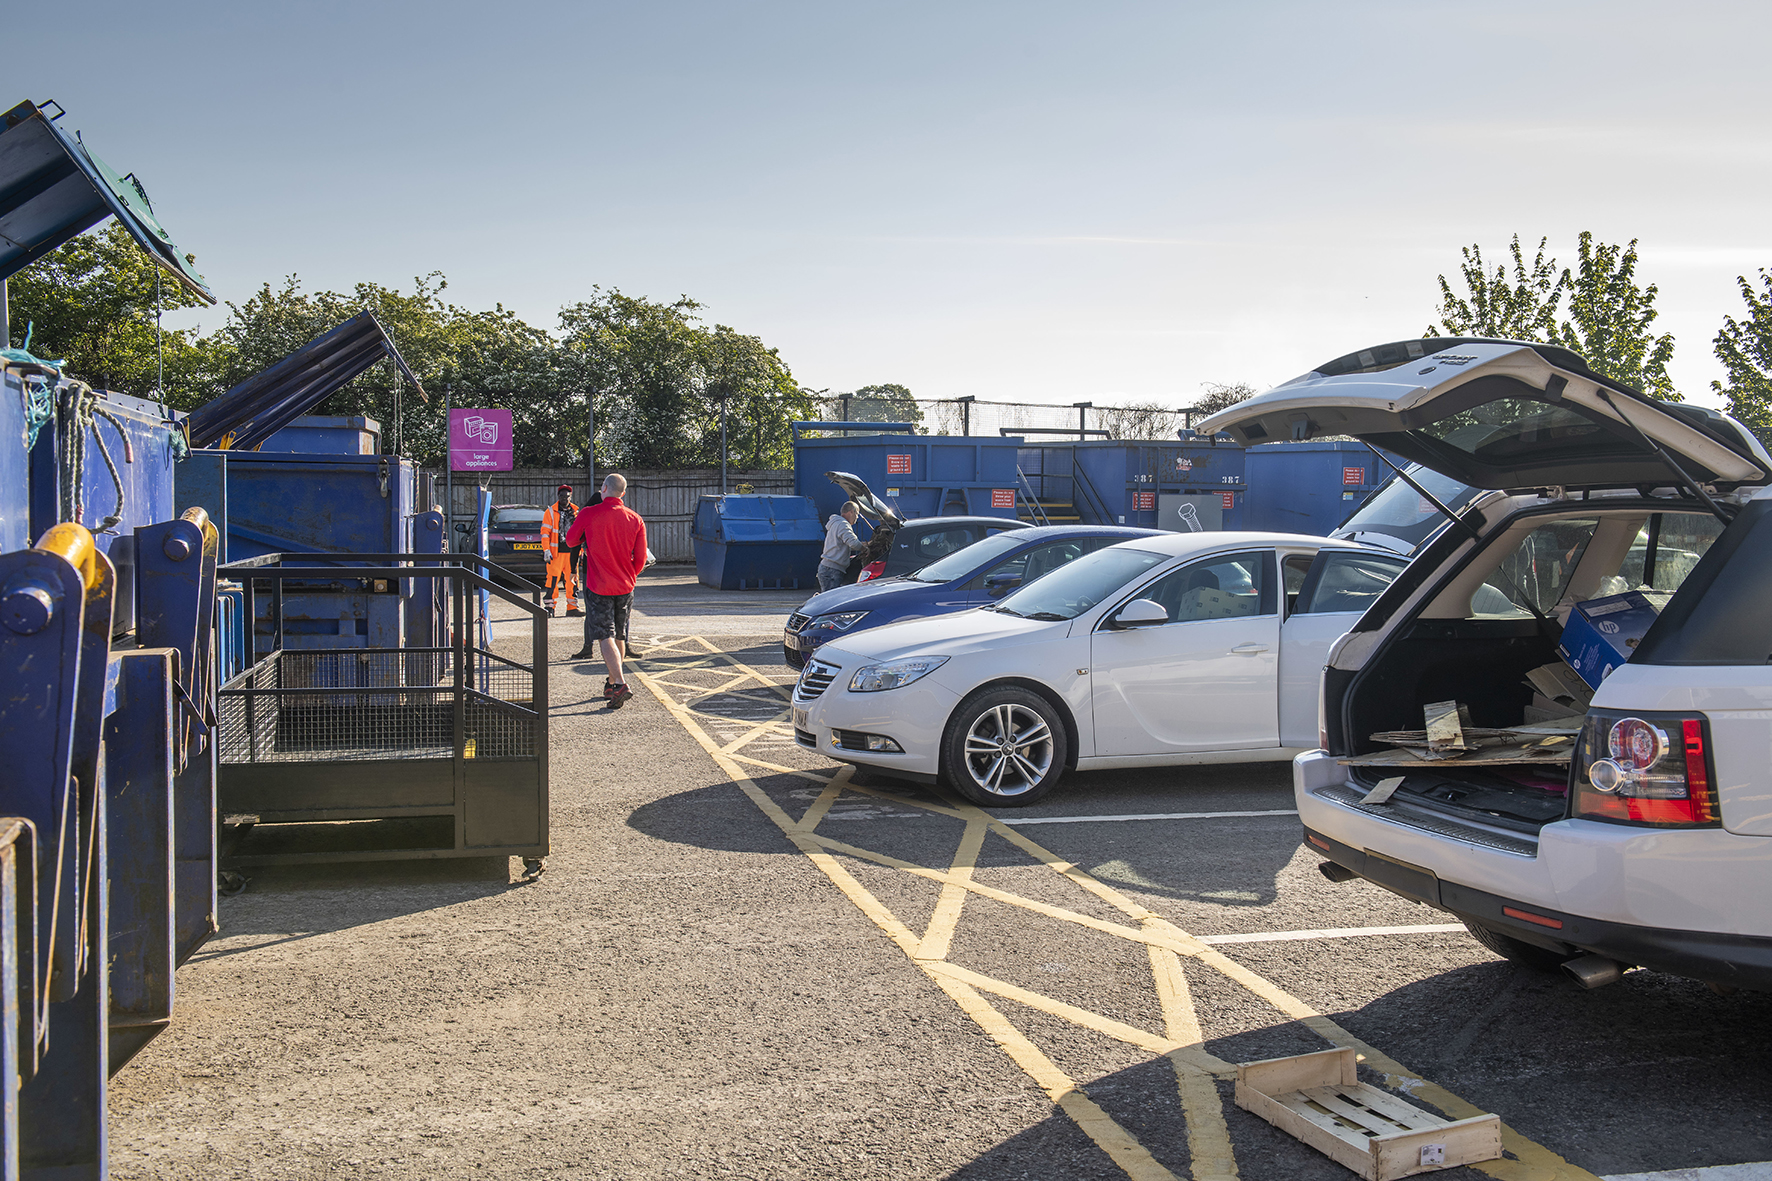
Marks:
<point>1190,648</point>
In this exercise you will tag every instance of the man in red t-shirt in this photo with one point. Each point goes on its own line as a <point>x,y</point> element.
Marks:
<point>614,541</point>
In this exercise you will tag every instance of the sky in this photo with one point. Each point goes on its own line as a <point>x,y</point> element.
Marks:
<point>1021,201</point>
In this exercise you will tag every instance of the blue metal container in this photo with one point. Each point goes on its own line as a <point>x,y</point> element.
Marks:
<point>757,542</point>
<point>328,434</point>
<point>1177,486</point>
<point>1309,487</point>
<point>918,475</point>
<point>68,477</point>
<point>331,504</point>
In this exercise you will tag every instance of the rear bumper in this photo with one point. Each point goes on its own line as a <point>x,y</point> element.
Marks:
<point>1740,961</point>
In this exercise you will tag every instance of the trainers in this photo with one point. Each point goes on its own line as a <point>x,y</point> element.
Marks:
<point>618,695</point>
<point>572,611</point>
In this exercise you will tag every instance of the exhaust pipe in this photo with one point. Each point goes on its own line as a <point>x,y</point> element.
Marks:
<point>1336,872</point>
<point>1594,971</point>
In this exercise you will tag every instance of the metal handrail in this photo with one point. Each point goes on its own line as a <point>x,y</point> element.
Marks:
<point>450,567</point>
<point>1035,509</point>
<point>1100,506</point>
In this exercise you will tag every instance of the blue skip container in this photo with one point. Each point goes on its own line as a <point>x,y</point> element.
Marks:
<point>757,542</point>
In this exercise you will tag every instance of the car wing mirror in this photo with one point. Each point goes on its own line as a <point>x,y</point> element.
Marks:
<point>1139,613</point>
<point>1001,584</point>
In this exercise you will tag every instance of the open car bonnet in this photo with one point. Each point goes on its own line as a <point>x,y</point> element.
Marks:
<point>871,506</point>
<point>1500,414</point>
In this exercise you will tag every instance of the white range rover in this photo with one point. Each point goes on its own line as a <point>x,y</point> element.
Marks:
<point>1654,848</point>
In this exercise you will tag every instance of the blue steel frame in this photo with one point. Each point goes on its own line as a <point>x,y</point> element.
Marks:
<point>107,876</point>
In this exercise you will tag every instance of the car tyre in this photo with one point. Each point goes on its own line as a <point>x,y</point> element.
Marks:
<point>1004,748</point>
<point>1527,955</point>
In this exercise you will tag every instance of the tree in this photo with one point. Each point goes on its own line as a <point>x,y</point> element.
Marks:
<point>1221,397</point>
<point>640,364</point>
<point>1525,309</point>
<point>1610,319</point>
<point>762,398</point>
<point>876,403</point>
<point>1140,420</point>
<point>486,358</point>
<point>1745,349</point>
<point>91,303</point>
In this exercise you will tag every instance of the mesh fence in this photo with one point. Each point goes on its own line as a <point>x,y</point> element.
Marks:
<point>952,416</point>
<point>355,704</point>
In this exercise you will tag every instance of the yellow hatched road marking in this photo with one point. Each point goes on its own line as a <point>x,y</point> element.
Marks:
<point>1209,1144</point>
<point>940,932</point>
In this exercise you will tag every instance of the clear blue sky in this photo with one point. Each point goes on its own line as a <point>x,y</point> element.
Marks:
<point>1035,200</point>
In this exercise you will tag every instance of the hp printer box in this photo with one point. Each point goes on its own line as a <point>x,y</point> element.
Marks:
<point>1602,633</point>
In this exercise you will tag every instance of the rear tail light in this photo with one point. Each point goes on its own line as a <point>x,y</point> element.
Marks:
<point>872,570</point>
<point>1645,768</point>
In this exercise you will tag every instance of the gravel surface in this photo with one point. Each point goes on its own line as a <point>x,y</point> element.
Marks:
<point>684,993</point>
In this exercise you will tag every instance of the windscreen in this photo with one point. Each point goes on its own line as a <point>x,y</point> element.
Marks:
<point>517,519</point>
<point>1071,590</point>
<point>1399,511</point>
<point>963,562</point>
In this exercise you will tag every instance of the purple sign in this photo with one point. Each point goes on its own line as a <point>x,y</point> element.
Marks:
<point>479,440</point>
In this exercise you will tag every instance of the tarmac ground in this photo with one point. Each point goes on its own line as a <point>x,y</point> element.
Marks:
<point>745,961</point>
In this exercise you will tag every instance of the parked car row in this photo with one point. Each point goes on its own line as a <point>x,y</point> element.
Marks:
<point>1651,845</point>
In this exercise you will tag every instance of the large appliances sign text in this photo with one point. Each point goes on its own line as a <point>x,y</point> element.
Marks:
<point>479,440</point>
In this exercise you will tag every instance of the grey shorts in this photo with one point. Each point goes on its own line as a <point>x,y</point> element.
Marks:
<point>606,617</point>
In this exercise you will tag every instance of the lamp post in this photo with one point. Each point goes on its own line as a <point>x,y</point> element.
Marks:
<point>725,394</point>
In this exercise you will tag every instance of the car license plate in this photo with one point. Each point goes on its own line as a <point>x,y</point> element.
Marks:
<point>525,545</point>
<point>790,640</point>
<point>800,722</point>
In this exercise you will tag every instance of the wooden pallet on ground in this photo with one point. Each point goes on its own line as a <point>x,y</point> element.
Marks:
<point>1319,1099</point>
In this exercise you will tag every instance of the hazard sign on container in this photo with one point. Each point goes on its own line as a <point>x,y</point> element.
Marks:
<point>1353,475</point>
<point>1147,501</point>
<point>1228,498</point>
<point>898,465</point>
<point>1000,497</point>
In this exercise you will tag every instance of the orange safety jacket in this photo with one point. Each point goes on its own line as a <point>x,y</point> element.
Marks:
<point>553,528</point>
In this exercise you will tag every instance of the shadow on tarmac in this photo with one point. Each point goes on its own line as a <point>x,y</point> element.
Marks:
<point>1653,1073</point>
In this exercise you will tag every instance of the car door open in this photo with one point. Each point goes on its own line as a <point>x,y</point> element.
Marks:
<point>1203,679</point>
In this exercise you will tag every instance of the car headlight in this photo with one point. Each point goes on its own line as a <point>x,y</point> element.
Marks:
<point>875,678</point>
<point>839,622</point>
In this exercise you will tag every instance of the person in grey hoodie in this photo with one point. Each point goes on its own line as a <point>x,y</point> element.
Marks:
<point>840,542</point>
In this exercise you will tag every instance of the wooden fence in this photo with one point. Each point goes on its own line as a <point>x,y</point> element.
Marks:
<point>665,499</point>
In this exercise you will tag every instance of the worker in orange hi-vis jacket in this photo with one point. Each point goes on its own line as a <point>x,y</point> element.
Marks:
<point>555,521</point>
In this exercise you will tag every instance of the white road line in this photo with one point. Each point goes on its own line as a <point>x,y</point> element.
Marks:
<point>1754,1172</point>
<point>1153,816</point>
<point>1330,933</point>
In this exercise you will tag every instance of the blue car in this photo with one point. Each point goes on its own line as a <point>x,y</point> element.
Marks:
<point>972,577</point>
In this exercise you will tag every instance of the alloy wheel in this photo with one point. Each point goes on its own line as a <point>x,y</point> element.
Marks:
<point>1008,749</point>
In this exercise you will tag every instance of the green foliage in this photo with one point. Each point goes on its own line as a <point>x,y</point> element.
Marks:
<point>657,378</point>
<point>91,304</point>
<point>480,358</point>
<point>1523,309</point>
<point>890,402</point>
<point>1608,319</point>
<point>1745,349</point>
